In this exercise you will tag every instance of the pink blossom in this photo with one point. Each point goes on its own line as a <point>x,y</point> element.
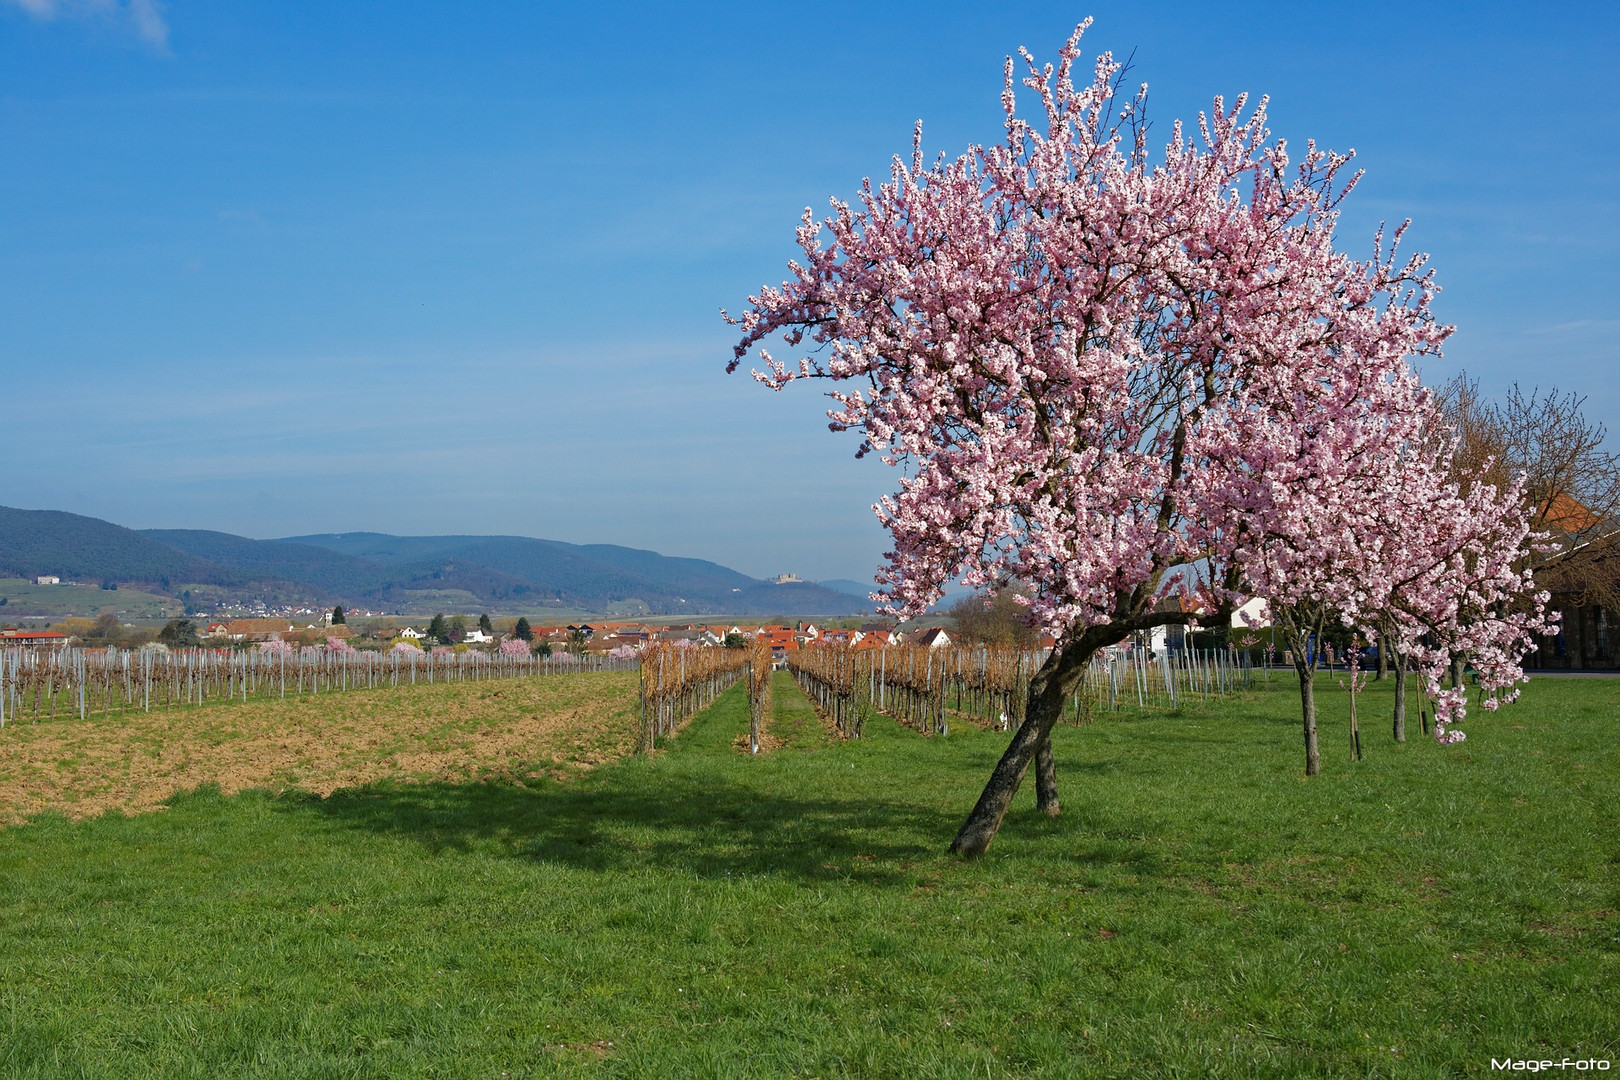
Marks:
<point>1118,377</point>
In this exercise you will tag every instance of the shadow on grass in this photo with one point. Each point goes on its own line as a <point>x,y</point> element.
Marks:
<point>711,829</point>
<point>700,811</point>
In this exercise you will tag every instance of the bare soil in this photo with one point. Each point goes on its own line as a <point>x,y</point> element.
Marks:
<point>554,725</point>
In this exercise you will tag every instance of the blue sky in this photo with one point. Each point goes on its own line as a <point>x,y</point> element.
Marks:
<point>294,267</point>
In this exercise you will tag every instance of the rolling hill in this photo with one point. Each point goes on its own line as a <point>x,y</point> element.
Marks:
<point>71,546</point>
<point>405,573</point>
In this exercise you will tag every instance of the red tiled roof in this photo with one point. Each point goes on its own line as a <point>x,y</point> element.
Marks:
<point>1568,514</point>
<point>258,626</point>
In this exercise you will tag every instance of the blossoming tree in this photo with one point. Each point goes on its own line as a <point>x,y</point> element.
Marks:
<point>1360,521</point>
<point>1090,364</point>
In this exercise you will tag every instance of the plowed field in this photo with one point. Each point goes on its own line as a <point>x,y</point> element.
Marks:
<point>552,725</point>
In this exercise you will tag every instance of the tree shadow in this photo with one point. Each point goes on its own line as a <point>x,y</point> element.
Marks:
<point>711,829</point>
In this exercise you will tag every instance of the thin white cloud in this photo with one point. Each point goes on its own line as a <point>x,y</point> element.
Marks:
<point>143,18</point>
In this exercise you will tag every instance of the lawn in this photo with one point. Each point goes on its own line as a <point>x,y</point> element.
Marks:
<point>1200,909</point>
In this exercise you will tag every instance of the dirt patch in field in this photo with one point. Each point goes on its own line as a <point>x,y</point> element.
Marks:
<point>767,743</point>
<point>555,725</point>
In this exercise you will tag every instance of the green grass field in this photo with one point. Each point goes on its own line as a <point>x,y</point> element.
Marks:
<point>24,599</point>
<point>1200,909</point>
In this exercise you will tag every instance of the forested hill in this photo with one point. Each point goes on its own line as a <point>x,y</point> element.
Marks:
<point>407,573</point>
<point>71,546</point>
<point>593,576</point>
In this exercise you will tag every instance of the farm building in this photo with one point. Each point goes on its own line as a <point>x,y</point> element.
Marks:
<point>253,629</point>
<point>48,638</point>
<point>1583,579</point>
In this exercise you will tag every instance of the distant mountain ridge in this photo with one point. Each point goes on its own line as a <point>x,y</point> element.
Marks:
<point>407,573</point>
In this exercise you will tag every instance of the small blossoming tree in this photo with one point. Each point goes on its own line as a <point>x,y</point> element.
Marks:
<point>1361,526</point>
<point>1097,368</point>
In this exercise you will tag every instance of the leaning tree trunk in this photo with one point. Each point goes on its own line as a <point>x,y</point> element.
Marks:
<point>1049,690</point>
<point>1046,793</point>
<point>1400,698</point>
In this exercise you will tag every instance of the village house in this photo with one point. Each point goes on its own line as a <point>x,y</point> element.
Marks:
<point>839,637</point>
<point>37,638</point>
<point>781,639</point>
<point>883,633</point>
<point>703,637</point>
<point>1584,640</point>
<point>254,629</point>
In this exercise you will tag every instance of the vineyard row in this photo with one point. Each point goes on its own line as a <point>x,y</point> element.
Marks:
<point>922,687</point>
<point>82,682</point>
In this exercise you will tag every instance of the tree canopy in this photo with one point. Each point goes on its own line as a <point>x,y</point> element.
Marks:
<point>1126,383</point>
<point>992,618</point>
<point>439,630</point>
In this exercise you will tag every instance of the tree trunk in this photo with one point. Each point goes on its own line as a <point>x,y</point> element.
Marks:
<point>1046,793</point>
<point>1459,667</point>
<point>1383,656</point>
<point>1307,701</point>
<point>1048,691</point>
<point>1400,699</point>
<point>1355,728</point>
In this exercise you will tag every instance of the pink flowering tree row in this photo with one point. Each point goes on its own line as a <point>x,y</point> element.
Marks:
<point>1361,526</point>
<point>1118,377</point>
